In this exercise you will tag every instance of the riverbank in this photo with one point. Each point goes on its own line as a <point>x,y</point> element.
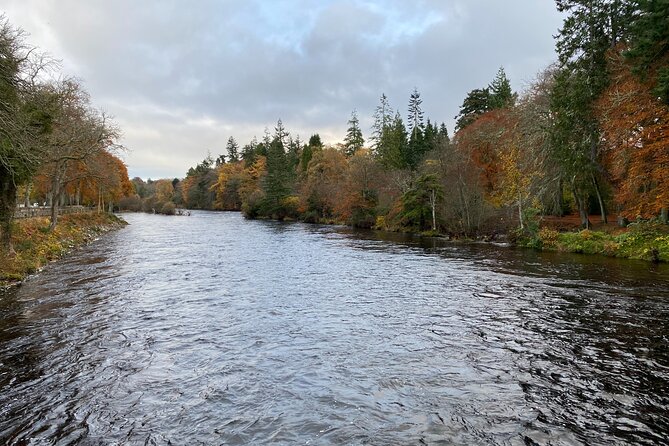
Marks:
<point>644,240</point>
<point>35,245</point>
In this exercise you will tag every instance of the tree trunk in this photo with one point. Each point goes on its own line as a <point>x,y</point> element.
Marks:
<point>7,208</point>
<point>582,210</point>
<point>520,211</point>
<point>664,215</point>
<point>26,196</point>
<point>433,203</point>
<point>602,207</point>
<point>55,201</point>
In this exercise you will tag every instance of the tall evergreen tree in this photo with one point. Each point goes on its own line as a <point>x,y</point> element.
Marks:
<point>474,105</point>
<point>649,44</point>
<point>415,117</point>
<point>383,117</point>
<point>233,150</point>
<point>501,95</point>
<point>394,145</point>
<point>353,140</point>
<point>276,182</point>
<point>591,28</point>
<point>417,145</point>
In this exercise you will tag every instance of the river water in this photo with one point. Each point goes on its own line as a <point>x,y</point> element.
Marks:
<point>211,329</point>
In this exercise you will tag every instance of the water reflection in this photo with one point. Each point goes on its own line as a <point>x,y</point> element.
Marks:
<point>214,330</point>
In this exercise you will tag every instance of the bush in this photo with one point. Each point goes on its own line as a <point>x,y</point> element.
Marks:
<point>168,208</point>
<point>133,204</point>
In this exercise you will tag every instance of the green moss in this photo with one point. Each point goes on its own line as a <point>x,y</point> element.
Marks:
<point>643,240</point>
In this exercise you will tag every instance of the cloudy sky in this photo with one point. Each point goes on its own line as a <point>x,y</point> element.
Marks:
<point>181,77</point>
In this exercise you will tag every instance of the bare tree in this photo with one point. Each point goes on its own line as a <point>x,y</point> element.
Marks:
<point>22,122</point>
<point>79,133</point>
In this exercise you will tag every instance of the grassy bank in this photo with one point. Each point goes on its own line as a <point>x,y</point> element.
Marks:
<point>648,240</point>
<point>35,245</point>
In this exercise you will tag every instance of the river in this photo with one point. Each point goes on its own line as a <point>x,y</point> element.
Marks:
<point>211,329</point>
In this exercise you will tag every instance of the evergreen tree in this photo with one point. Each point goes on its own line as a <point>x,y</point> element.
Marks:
<point>394,145</point>
<point>475,104</point>
<point>383,116</point>
<point>501,95</point>
<point>249,152</point>
<point>281,134</point>
<point>276,183</point>
<point>353,140</point>
<point>233,150</point>
<point>649,45</point>
<point>589,31</point>
<point>415,116</point>
<point>220,160</point>
<point>314,145</point>
<point>443,133</point>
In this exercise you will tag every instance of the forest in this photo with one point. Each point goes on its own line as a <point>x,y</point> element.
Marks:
<point>589,136</point>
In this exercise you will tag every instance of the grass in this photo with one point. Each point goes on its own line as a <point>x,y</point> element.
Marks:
<point>35,245</point>
<point>648,240</point>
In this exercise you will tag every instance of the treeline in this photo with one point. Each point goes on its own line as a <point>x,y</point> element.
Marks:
<point>588,136</point>
<point>55,147</point>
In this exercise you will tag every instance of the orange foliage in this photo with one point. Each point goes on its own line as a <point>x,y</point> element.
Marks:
<point>483,140</point>
<point>635,126</point>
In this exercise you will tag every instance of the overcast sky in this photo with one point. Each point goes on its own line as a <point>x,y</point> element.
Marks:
<point>180,77</point>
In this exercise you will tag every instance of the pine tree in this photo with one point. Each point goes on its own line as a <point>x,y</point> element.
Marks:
<point>233,150</point>
<point>353,140</point>
<point>394,145</point>
<point>383,116</point>
<point>649,45</point>
<point>415,117</point>
<point>474,105</point>
<point>501,95</point>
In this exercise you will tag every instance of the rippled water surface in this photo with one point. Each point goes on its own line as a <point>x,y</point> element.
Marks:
<point>210,329</point>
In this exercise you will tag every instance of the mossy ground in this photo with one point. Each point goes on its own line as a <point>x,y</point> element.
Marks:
<point>35,245</point>
<point>648,240</point>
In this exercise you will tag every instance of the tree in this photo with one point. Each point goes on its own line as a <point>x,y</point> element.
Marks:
<point>501,95</point>
<point>393,148</point>
<point>649,45</point>
<point>233,150</point>
<point>419,203</point>
<point>416,145</point>
<point>383,116</point>
<point>474,105</point>
<point>635,126</point>
<point>315,144</point>
<point>277,181</point>
<point>590,29</point>
<point>353,140</point>
<point>23,122</point>
<point>79,133</point>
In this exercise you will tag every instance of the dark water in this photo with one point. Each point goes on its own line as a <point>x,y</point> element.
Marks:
<point>214,330</point>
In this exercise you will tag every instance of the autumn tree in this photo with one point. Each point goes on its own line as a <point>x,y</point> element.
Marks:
<point>635,125</point>
<point>324,183</point>
<point>648,39</point>
<point>79,133</point>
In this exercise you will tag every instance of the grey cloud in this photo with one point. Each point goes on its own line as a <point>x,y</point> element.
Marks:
<point>181,77</point>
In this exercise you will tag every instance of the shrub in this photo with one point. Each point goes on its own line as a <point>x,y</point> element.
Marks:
<point>168,208</point>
